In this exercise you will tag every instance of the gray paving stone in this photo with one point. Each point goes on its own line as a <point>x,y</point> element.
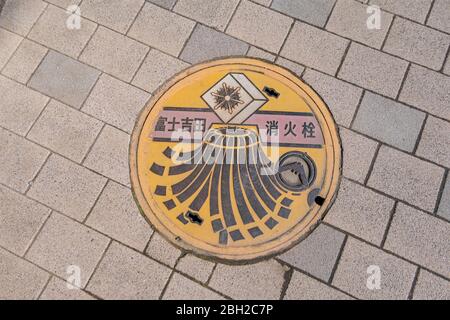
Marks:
<point>21,220</point>
<point>65,130</point>
<point>57,289</point>
<point>115,102</point>
<point>302,287</point>
<point>126,274</point>
<point>349,19</point>
<point>168,4</point>
<point>260,54</point>
<point>115,14</point>
<point>161,29</point>
<point>389,121</point>
<point>10,42</point>
<point>417,43</point>
<point>415,10</point>
<point>316,254</point>
<point>263,280</point>
<point>67,187</point>
<point>19,15</point>
<point>315,12</point>
<point>447,66</point>
<point>435,142</point>
<point>406,178</point>
<point>361,212</point>
<point>25,61</point>
<point>213,13</point>
<point>114,53</point>
<point>157,68</point>
<point>181,288</point>
<point>21,106</point>
<point>206,44</point>
<point>444,206</point>
<point>358,154</point>
<point>431,287</point>
<point>19,279</point>
<point>109,155</point>
<point>163,251</point>
<point>315,48</point>
<point>428,91</point>
<point>421,238</point>
<point>51,31</point>
<point>20,160</point>
<point>259,26</point>
<point>63,243</point>
<point>342,98</point>
<point>64,3</point>
<point>440,15</point>
<point>73,87</point>
<point>368,68</point>
<point>353,273</point>
<point>197,268</point>
<point>291,66</point>
<point>116,215</point>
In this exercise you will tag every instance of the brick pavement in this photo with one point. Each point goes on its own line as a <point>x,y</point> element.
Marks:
<point>69,99</point>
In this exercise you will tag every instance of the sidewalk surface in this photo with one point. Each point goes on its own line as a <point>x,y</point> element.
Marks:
<point>69,99</point>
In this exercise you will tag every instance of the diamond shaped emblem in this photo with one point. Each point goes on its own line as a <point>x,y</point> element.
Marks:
<point>234,98</point>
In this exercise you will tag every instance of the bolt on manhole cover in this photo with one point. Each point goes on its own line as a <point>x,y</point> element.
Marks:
<point>235,160</point>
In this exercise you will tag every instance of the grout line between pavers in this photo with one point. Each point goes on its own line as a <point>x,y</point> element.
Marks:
<point>358,105</point>
<point>287,280</point>
<point>38,232</point>
<point>95,203</point>
<point>78,58</point>
<point>288,34</point>
<point>44,287</point>
<point>414,283</point>
<point>341,63</point>
<point>446,60</point>
<point>184,45</point>
<point>232,16</point>
<point>89,150</point>
<point>133,77</point>
<point>329,15</point>
<point>388,33</point>
<point>419,136</point>
<point>425,23</point>
<point>98,263</point>
<point>338,259</point>
<point>135,18</point>
<point>441,192</point>
<point>372,164</point>
<point>389,224</point>
<point>402,83</point>
<point>387,251</point>
<point>211,274</point>
<point>163,291</point>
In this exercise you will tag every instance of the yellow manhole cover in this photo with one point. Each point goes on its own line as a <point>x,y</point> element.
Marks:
<point>235,159</point>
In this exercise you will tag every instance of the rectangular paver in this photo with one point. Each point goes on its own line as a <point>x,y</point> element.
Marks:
<point>421,238</point>
<point>21,219</point>
<point>51,31</point>
<point>369,69</point>
<point>115,102</point>
<point>431,287</point>
<point>116,214</point>
<point>213,13</point>
<point>19,279</point>
<point>415,10</point>
<point>444,206</point>
<point>24,61</point>
<point>182,288</point>
<point>109,155</point>
<point>156,69</point>
<point>417,43</point>
<point>440,15</point>
<point>389,121</point>
<point>361,212</point>
<point>358,154</point>
<point>315,48</point>
<point>427,90</point>
<point>67,187</point>
<point>435,142</point>
<point>361,263</point>
<point>161,29</point>
<point>350,19</point>
<point>73,87</point>
<point>19,15</point>
<point>65,130</point>
<point>317,254</point>
<point>302,287</point>
<point>206,44</point>
<point>20,160</point>
<point>63,244</point>
<point>259,26</point>
<point>114,53</point>
<point>315,12</point>
<point>263,280</point>
<point>406,178</point>
<point>126,274</point>
<point>115,14</point>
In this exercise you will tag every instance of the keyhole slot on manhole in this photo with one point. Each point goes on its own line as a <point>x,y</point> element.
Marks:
<point>319,200</point>
<point>194,217</point>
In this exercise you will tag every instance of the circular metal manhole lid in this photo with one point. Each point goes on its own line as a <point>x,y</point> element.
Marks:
<point>235,160</point>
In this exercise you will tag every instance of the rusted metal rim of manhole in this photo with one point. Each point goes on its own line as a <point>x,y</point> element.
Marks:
<point>235,160</point>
